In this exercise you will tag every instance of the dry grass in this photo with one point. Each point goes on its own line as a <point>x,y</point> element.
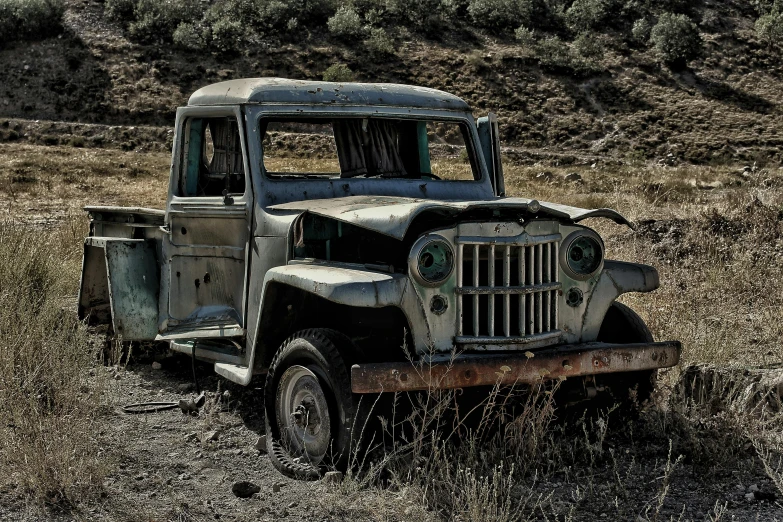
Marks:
<point>49,401</point>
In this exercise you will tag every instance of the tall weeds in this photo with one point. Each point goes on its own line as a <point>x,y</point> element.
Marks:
<point>48,408</point>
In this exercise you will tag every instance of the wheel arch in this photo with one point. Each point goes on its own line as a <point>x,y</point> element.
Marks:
<point>360,304</point>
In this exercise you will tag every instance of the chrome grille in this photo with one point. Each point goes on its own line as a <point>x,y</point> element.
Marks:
<point>507,289</point>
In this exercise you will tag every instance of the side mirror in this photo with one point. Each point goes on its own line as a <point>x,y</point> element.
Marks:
<point>490,146</point>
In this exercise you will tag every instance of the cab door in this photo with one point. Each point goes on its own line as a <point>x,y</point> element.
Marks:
<point>208,223</point>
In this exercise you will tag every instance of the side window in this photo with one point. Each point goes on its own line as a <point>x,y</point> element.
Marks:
<point>448,154</point>
<point>213,163</point>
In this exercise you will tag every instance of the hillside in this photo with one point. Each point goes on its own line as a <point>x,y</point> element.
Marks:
<point>615,99</point>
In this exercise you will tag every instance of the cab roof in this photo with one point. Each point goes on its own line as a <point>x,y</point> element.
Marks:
<point>303,92</point>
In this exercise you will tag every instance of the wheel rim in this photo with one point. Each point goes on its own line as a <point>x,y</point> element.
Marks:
<point>303,414</point>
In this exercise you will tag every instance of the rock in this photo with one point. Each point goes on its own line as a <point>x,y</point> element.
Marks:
<point>753,488</point>
<point>545,176</point>
<point>750,497</point>
<point>573,177</point>
<point>156,365</point>
<point>244,489</point>
<point>211,436</point>
<point>276,488</point>
<point>261,444</point>
<point>333,478</point>
<point>192,405</point>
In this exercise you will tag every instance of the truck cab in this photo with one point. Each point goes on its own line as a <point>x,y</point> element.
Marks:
<point>333,236</point>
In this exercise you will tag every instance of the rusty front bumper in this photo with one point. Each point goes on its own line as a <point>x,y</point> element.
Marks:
<point>467,370</point>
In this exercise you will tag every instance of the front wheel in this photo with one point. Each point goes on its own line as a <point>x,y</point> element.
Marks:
<point>622,325</point>
<point>310,409</point>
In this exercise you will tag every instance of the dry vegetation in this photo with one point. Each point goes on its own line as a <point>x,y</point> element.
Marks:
<point>714,233</point>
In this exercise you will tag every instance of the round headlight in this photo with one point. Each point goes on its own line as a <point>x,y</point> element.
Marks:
<point>582,254</point>
<point>434,260</point>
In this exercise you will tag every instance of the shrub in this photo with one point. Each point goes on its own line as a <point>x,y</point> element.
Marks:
<point>155,19</point>
<point>502,14</point>
<point>584,15</point>
<point>339,72</point>
<point>589,46</point>
<point>676,39</point>
<point>227,35</point>
<point>29,19</point>
<point>769,27</point>
<point>379,42</point>
<point>525,36</point>
<point>345,23</point>
<point>641,30</point>
<point>190,36</point>
<point>120,10</point>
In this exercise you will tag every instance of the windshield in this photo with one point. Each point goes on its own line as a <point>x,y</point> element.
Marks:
<point>376,148</point>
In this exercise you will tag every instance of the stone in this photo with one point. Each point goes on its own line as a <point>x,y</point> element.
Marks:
<point>753,488</point>
<point>573,177</point>
<point>544,176</point>
<point>276,488</point>
<point>211,436</point>
<point>333,478</point>
<point>245,489</point>
<point>750,497</point>
<point>261,444</point>
<point>156,365</point>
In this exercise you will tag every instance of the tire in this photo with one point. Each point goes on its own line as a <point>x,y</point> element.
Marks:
<point>622,325</point>
<point>309,376</point>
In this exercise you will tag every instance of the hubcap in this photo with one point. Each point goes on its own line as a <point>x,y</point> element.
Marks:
<point>303,414</point>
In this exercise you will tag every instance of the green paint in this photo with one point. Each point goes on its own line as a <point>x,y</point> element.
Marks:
<point>424,148</point>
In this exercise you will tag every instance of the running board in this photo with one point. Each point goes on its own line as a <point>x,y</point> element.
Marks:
<point>202,332</point>
<point>234,373</point>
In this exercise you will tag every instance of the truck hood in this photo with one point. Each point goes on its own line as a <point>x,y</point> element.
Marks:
<point>393,215</point>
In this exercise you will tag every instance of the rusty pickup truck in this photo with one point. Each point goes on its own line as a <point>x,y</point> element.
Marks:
<point>335,236</point>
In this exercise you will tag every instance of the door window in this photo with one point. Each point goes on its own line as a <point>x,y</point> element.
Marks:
<point>213,161</point>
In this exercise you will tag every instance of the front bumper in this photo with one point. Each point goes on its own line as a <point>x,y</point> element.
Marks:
<point>466,370</point>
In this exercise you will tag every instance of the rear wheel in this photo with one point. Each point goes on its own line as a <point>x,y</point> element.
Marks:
<point>310,409</point>
<point>622,325</point>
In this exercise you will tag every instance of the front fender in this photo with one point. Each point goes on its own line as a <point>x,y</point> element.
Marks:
<point>617,278</point>
<point>353,286</point>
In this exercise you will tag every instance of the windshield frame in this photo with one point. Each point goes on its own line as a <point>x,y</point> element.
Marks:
<point>270,191</point>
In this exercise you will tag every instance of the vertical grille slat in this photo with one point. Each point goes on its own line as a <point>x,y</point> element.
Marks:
<point>476,258</point>
<point>491,296</point>
<point>507,297</point>
<point>514,288</point>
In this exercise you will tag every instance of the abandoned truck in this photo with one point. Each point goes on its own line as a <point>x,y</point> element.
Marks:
<point>317,232</point>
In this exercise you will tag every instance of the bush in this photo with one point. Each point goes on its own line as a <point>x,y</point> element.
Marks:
<point>154,19</point>
<point>525,36</point>
<point>379,42</point>
<point>769,27</point>
<point>190,36</point>
<point>641,30</point>
<point>345,23</point>
<point>502,14</point>
<point>30,19</point>
<point>584,15</point>
<point>589,46</point>
<point>227,35</point>
<point>339,72</point>
<point>676,39</point>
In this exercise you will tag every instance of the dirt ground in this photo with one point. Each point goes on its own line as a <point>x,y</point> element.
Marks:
<point>172,466</point>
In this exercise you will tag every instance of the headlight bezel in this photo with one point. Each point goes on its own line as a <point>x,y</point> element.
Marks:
<point>565,254</point>
<point>419,248</point>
